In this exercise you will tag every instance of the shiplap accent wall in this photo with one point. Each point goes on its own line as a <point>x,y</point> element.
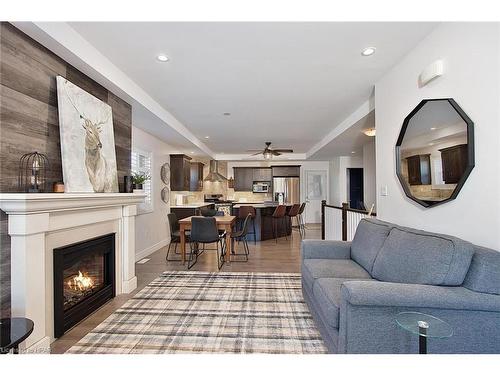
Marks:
<point>29,121</point>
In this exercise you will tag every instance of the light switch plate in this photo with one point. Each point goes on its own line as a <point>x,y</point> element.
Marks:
<point>383,191</point>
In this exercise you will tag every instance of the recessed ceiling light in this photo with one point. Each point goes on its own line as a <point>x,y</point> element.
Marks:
<point>433,128</point>
<point>192,152</point>
<point>207,137</point>
<point>353,152</point>
<point>162,58</point>
<point>368,51</point>
<point>431,144</point>
<point>369,132</point>
<point>227,113</point>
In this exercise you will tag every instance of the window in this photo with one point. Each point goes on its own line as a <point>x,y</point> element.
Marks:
<point>142,163</point>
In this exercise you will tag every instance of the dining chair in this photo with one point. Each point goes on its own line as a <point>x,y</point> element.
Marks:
<point>243,213</point>
<point>204,231</point>
<point>241,236</point>
<point>175,236</point>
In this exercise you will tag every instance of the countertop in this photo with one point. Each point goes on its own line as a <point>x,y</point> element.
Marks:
<point>193,205</point>
<point>258,205</point>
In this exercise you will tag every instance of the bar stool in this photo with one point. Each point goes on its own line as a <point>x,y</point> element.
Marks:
<point>293,213</point>
<point>243,212</point>
<point>302,225</point>
<point>279,215</point>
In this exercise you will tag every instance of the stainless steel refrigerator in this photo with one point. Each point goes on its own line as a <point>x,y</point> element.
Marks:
<point>289,187</point>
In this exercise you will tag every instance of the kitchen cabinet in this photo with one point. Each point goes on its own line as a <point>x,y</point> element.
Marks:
<point>286,171</point>
<point>454,162</point>
<point>243,178</point>
<point>419,169</point>
<point>196,177</point>
<point>180,172</point>
<point>262,174</point>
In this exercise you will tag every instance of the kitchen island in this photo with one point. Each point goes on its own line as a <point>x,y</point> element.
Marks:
<point>264,221</point>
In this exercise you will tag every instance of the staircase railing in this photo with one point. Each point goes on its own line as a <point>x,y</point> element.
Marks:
<point>340,223</point>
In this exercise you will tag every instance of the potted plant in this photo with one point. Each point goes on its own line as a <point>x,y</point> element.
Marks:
<point>138,179</point>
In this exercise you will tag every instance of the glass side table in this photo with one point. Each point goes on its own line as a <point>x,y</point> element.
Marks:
<point>424,326</point>
<point>14,331</point>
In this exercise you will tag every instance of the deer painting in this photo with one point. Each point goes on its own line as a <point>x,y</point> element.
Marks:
<point>92,139</point>
<point>95,163</point>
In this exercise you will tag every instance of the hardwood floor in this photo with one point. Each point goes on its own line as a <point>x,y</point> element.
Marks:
<point>265,256</point>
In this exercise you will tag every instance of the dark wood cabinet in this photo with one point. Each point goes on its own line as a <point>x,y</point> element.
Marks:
<point>243,178</point>
<point>419,169</point>
<point>196,177</point>
<point>262,174</point>
<point>180,172</point>
<point>454,161</point>
<point>286,171</point>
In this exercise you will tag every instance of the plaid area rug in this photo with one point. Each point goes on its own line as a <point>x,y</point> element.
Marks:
<point>203,312</point>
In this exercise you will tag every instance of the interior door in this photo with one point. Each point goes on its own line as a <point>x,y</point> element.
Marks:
<point>356,188</point>
<point>315,192</point>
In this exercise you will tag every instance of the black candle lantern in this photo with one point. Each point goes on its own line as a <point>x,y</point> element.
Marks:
<point>33,172</point>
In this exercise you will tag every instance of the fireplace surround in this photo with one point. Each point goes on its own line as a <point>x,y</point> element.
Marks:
<point>84,279</point>
<point>44,222</point>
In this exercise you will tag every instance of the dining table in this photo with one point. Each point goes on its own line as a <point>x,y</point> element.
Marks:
<point>225,223</point>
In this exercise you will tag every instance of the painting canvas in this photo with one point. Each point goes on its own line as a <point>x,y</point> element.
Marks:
<point>87,141</point>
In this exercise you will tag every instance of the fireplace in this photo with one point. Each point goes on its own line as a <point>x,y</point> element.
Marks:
<point>84,279</point>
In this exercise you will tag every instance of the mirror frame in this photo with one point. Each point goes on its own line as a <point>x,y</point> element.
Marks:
<point>470,151</point>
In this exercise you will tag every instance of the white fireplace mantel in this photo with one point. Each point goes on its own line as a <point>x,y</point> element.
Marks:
<point>40,222</point>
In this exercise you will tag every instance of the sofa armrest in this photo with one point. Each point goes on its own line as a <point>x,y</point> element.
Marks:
<point>321,249</point>
<point>377,293</point>
<point>368,310</point>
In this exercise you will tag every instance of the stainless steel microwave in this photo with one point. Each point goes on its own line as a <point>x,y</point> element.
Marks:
<point>261,187</point>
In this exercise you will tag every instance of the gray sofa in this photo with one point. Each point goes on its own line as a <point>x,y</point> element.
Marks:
<point>355,289</point>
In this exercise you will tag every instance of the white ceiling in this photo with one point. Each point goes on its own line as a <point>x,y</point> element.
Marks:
<point>289,83</point>
<point>350,142</point>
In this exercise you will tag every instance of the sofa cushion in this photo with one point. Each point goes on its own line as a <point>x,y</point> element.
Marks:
<point>417,257</point>
<point>368,240</point>
<point>313,269</point>
<point>327,295</point>
<point>484,271</point>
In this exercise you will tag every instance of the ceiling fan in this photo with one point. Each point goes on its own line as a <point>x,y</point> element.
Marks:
<point>268,152</point>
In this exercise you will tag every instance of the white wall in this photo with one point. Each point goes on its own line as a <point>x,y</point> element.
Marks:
<point>471,55</point>
<point>338,170</point>
<point>151,229</point>
<point>369,174</point>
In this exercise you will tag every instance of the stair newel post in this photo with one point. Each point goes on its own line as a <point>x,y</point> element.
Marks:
<point>323,204</point>
<point>345,206</point>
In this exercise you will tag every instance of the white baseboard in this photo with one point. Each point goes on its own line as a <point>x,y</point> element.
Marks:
<point>129,285</point>
<point>150,250</point>
<point>40,347</point>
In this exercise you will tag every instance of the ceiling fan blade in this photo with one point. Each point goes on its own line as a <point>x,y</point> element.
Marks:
<point>283,150</point>
<point>257,153</point>
<point>276,153</point>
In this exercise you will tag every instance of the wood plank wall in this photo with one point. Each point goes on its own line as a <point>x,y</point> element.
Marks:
<point>29,121</point>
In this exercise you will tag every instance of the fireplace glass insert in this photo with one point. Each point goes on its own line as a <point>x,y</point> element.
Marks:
<point>84,277</point>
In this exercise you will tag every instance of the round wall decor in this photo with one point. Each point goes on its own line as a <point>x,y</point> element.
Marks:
<point>165,194</point>
<point>165,173</point>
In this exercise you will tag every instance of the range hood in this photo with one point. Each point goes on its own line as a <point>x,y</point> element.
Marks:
<point>214,175</point>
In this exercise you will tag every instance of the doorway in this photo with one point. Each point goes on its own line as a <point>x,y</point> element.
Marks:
<point>355,189</point>
<point>315,192</point>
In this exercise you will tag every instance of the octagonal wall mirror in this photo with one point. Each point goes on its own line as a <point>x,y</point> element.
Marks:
<point>435,151</point>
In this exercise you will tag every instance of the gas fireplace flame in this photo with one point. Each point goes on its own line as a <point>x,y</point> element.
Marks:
<point>81,282</point>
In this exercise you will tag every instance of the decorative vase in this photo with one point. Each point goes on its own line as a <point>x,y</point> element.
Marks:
<point>128,184</point>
